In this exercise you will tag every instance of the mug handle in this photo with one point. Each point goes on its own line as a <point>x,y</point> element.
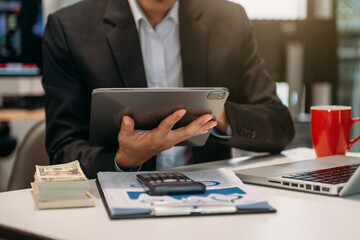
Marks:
<point>351,144</point>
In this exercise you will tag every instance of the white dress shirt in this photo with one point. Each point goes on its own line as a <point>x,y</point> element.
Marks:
<point>160,47</point>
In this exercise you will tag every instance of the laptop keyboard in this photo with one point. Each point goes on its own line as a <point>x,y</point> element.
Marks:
<point>334,175</point>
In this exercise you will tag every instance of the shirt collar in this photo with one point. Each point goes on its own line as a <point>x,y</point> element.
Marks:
<point>139,15</point>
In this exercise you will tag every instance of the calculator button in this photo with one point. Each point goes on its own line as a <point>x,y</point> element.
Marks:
<point>170,180</point>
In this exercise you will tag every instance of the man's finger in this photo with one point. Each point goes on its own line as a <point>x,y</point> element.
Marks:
<point>206,128</point>
<point>198,123</point>
<point>195,127</point>
<point>127,125</point>
<point>168,123</point>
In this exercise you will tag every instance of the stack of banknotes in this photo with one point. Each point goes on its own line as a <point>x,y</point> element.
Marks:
<point>61,186</point>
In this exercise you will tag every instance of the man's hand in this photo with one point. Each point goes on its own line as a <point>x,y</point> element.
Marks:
<point>222,122</point>
<point>138,146</point>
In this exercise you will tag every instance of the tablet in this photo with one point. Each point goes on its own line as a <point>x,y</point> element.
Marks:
<point>148,107</point>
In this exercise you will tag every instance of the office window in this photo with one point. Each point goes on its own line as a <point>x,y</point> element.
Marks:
<point>348,88</point>
<point>64,3</point>
<point>275,9</point>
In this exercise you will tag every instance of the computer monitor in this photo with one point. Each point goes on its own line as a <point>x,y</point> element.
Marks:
<point>21,30</point>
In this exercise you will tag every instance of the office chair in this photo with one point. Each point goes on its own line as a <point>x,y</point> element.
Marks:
<point>31,152</point>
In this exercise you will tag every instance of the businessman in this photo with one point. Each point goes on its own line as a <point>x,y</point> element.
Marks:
<point>157,43</point>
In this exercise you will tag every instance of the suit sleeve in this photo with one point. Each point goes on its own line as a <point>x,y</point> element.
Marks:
<point>68,107</point>
<point>258,119</point>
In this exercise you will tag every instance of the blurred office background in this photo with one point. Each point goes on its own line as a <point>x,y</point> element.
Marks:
<point>314,47</point>
<point>311,48</point>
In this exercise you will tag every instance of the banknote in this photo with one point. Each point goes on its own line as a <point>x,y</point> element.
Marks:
<point>61,172</point>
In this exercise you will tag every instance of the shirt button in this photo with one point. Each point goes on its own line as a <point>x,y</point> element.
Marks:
<point>253,134</point>
<point>242,131</point>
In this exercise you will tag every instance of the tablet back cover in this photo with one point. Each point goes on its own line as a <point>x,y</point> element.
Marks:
<point>148,107</point>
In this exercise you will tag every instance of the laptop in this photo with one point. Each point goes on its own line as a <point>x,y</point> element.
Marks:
<point>333,175</point>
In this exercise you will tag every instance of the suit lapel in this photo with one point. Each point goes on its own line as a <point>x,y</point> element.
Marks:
<point>123,39</point>
<point>193,42</point>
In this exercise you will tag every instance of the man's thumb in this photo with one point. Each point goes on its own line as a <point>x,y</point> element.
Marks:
<point>127,124</point>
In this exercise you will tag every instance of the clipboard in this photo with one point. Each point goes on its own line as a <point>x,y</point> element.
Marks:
<point>160,210</point>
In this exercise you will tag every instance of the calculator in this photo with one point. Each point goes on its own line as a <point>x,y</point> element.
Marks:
<point>169,183</point>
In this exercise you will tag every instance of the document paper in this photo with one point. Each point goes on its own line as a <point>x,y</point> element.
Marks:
<point>125,195</point>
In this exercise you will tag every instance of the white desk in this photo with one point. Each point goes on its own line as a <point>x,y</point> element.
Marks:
<point>300,215</point>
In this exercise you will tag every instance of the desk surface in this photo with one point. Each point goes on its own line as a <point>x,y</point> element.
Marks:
<point>300,215</point>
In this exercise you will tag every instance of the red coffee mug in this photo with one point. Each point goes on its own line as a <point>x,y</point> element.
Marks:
<point>330,130</point>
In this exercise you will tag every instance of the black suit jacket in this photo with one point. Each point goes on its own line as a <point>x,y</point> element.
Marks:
<point>95,44</point>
